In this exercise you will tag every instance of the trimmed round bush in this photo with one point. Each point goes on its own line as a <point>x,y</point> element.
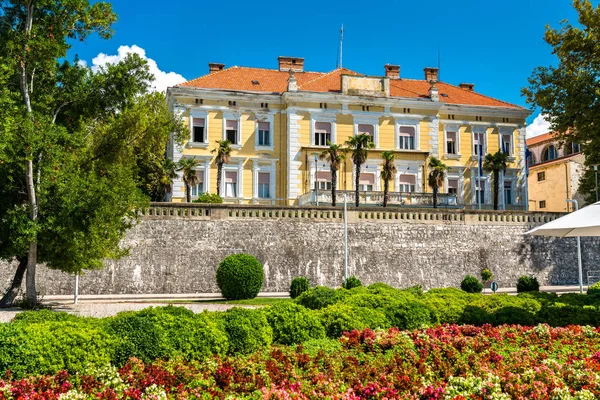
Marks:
<point>340,318</point>
<point>471,284</point>
<point>410,315</point>
<point>292,324</point>
<point>248,330</point>
<point>298,286</point>
<point>319,297</point>
<point>351,282</point>
<point>528,284</point>
<point>140,338</point>
<point>240,276</point>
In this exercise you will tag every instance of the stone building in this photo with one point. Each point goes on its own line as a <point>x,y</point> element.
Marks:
<point>279,120</point>
<point>554,173</point>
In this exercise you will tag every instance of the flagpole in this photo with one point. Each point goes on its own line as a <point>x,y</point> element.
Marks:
<point>479,148</point>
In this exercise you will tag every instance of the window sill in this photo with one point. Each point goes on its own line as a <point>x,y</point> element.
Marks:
<point>197,145</point>
<point>512,159</point>
<point>236,146</point>
<point>452,156</point>
<point>476,157</point>
<point>267,148</point>
<point>409,150</point>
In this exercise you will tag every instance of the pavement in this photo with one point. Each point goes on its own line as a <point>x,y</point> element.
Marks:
<point>100,306</point>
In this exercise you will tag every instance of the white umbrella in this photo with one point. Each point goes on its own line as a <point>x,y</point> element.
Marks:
<point>584,222</point>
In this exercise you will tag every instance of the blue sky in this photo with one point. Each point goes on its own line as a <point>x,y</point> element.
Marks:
<point>494,45</point>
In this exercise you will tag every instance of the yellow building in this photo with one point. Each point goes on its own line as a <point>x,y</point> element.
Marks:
<point>554,173</point>
<point>278,120</point>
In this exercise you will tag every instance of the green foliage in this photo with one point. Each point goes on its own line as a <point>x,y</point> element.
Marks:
<point>208,198</point>
<point>240,276</point>
<point>528,284</point>
<point>298,286</point>
<point>340,318</point>
<point>486,275</point>
<point>410,315</point>
<point>470,284</point>
<point>248,330</point>
<point>319,297</point>
<point>449,303</point>
<point>326,346</point>
<point>500,309</point>
<point>140,337</point>
<point>594,289</point>
<point>495,163</point>
<point>292,323</point>
<point>351,282</point>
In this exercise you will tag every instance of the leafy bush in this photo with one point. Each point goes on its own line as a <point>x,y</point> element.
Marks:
<point>248,330</point>
<point>381,288</point>
<point>298,286</point>
<point>449,303</point>
<point>561,314</point>
<point>486,275</point>
<point>471,285</point>
<point>594,289</point>
<point>319,297</point>
<point>292,323</point>
<point>351,282</point>
<point>139,337</point>
<point>500,309</point>
<point>416,290</point>
<point>240,276</point>
<point>528,284</point>
<point>410,315</point>
<point>340,318</point>
<point>208,198</point>
<point>321,346</point>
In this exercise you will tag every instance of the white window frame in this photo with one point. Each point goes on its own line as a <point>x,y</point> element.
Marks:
<point>230,116</point>
<point>369,167</point>
<point>330,119</point>
<point>260,166</point>
<point>198,114</point>
<point>204,166</point>
<point>374,121</point>
<point>239,168</point>
<point>458,175</point>
<point>270,120</point>
<point>475,129</point>
<point>409,168</point>
<point>319,166</point>
<point>486,179</point>
<point>506,131</point>
<point>456,130</point>
<point>411,123</point>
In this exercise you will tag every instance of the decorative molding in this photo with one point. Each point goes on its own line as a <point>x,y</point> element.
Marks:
<point>434,145</point>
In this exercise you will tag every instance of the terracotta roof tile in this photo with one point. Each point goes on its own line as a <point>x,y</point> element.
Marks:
<point>539,139</point>
<point>275,81</point>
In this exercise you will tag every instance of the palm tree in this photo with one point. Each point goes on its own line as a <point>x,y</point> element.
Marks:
<point>168,172</point>
<point>436,176</point>
<point>495,163</point>
<point>334,155</point>
<point>359,145</point>
<point>223,151</point>
<point>388,170</point>
<point>190,178</point>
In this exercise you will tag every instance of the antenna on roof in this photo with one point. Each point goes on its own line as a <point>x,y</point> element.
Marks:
<point>439,63</point>
<point>338,63</point>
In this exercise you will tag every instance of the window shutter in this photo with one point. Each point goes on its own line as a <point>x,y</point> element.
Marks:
<point>407,179</point>
<point>230,176</point>
<point>199,122</point>
<point>368,129</point>
<point>231,124</point>
<point>322,127</point>
<point>263,126</point>
<point>407,131</point>
<point>264,177</point>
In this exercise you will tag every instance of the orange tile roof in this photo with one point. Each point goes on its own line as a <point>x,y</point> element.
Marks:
<point>275,81</point>
<point>539,139</point>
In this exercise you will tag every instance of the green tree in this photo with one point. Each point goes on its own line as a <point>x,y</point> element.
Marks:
<point>168,172</point>
<point>388,170</point>
<point>223,151</point>
<point>495,163</point>
<point>437,171</point>
<point>334,155</point>
<point>190,177</point>
<point>568,92</point>
<point>359,145</point>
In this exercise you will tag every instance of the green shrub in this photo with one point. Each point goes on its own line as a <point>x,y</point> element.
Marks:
<point>500,309</point>
<point>240,276</point>
<point>319,297</point>
<point>471,285</point>
<point>528,284</point>
<point>326,346</point>
<point>139,337</point>
<point>410,315</point>
<point>44,316</point>
<point>292,323</point>
<point>248,330</point>
<point>448,303</point>
<point>340,318</point>
<point>540,297</point>
<point>486,275</point>
<point>351,282</point>
<point>298,286</point>
<point>561,314</point>
<point>416,290</point>
<point>208,198</point>
<point>381,288</point>
<point>594,289</point>
<point>46,348</point>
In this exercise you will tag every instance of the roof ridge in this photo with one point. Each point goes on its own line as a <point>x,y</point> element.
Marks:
<point>483,95</point>
<point>326,74</point>
<point>213,73</point>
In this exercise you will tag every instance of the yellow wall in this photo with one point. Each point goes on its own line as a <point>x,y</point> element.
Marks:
<point>554,190</point>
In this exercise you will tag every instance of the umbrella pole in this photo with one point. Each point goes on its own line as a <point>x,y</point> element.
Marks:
<point>578,250</point>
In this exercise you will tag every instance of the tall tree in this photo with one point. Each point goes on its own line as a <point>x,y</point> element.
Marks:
<point>334,155</point>
<point>495,163</point>
<point>568,92</point>
<point>34,34</point>
<point>359,145</point>
<point>223,151</point>
<point>437,172</point>
<point>388,170</point>
<point>187,166</point>
<point>167,173</point>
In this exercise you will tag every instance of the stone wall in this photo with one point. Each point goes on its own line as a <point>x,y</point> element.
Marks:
<point>176,249</point>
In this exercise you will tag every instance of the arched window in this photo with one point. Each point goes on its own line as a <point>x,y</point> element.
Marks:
<point>531,159</point>
<point>549,153</point>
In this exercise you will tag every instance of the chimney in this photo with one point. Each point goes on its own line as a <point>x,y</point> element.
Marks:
<point>295,64</point>
<point>467,86</point>
<point>392,71</point>
<point>214,67</point>
<point>292,86</point>
<point>431,74</point>
<point>434,94</point>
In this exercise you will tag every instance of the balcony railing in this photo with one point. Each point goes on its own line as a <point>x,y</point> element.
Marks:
<point>369,198</point>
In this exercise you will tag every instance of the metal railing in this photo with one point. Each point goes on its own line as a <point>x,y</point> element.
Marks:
<point>372,198</point>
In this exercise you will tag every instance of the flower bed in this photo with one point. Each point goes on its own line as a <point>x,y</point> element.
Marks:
<point>443,362</point>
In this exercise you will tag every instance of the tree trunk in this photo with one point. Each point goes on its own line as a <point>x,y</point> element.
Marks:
<point>188,194</point>
<point>219,172</point>
<point>356,183</point>
<point>386,186</point>
<point>496,188</point>
<point>435,192</point>
<point>11,294</point>
<point>333,186</point>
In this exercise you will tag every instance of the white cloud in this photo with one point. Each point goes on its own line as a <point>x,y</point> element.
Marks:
<point>162,79</point>
<point>539,126</point>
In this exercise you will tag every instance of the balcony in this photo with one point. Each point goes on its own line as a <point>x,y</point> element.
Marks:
<point>368,198</point>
